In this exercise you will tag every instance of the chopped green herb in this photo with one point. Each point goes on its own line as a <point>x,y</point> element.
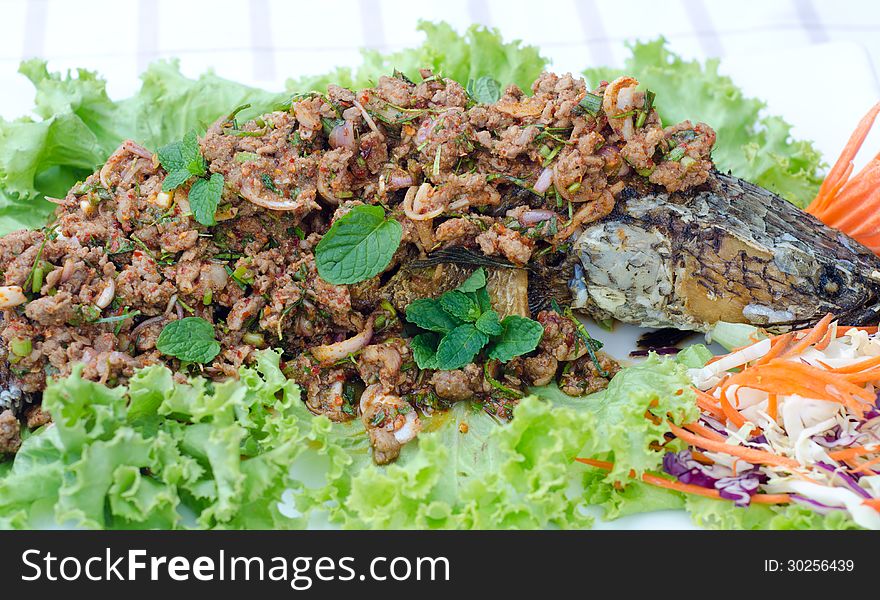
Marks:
<point>269,183</point>
<point>646,109</point>
<point>436,171</point>
<point>243,157</point>
<point>591,103</point>
<point>675,154</point>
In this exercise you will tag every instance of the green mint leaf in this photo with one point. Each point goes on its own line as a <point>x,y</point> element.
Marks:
<point>473,283</point>
<point>460,305</point>
<point>489,323</point>
<point>428,314</point>
<point>181,160</point>
<point>484,90</point>
<point>521,335</point>
<point>358,246</point>
<point>424,349</point>
<point>459,347</point>
<point>483,299</point>
<point>175,179</point>
<point>204,196</point>
<point>190,339</point>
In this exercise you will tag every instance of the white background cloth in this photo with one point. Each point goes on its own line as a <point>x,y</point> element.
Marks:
<point>769,47</point>
<point>262,42</point>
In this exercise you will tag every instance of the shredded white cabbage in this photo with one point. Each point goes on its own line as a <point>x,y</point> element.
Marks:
<point>809,430</point>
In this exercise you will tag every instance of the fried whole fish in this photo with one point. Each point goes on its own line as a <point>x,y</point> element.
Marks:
<point>727,251</point>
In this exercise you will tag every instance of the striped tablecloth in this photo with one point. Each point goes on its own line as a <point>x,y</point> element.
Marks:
<point>772,48</point>
<point>264,41</point>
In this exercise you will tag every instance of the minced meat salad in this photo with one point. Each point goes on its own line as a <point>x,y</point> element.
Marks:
<point>378,238</point>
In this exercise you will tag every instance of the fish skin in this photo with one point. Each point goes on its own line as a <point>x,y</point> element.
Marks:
<point>727,251</point>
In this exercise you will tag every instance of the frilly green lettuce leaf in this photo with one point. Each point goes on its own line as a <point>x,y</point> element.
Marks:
<point>476,53</point>
<point>78,126</point>
<point>143,455</point>
<point>485,475</point>
<point>624,435</point>
<point>718,514</point>
<point>752,146</point>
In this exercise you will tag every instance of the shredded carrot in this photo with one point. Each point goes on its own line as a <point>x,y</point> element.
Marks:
<point>772,406</point>
<point>850,202</point>
<point>687,488</point>
<point>812,336</point>
<point>842,329</point>
<point>830,334</point>
<point>730,412</point>
<point>704,431</point>
<point>865,465</point>
<point>751,455</point>
<point>777,347</point>
<point>864,376</point>
<point>873,503</point>
<point>785,376</point>
<point>859,366</point>
<point>853,452</point>
<point>709,404</point>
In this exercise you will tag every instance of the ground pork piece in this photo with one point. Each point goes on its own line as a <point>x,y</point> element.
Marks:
<point>141,284</point>
<point>443,139</point>
<point>51,310</point>
<point>309,113</point>
<point>583,377</point>
<point>10,433</point>
<point>335,181</point>
<point>336,300</point>
<point>35,416</point>
<point>506,242</point>
<point>341,95</point>
<point>560,338</point>
<point>372,155</point>
<point>108,366</point>
<point>395,90</point>
<point>177,237</point>
<point>560,95</point>
<point>382,363</point>
<point>16,249</point>
<point>639,151</point>
<point>540,369</point>
<point>694,165</point>
<point>579,171</point>
<point>385,446</point>
<point>243,310</point>
<point>460,384</point>
<point>516,141</point>
<point>457,232</point>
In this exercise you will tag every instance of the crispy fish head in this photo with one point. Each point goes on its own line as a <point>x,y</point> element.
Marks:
<point>730,251</point>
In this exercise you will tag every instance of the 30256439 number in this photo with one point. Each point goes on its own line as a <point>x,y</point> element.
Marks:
<point>815,565</point>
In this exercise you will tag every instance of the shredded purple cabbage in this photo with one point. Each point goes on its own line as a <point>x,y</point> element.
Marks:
<point>714,424</point>
<point>683,466</point>
<point>850,481</point>
<point>740,488</point>
<point>834,438</point>
<point>814,505</point>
